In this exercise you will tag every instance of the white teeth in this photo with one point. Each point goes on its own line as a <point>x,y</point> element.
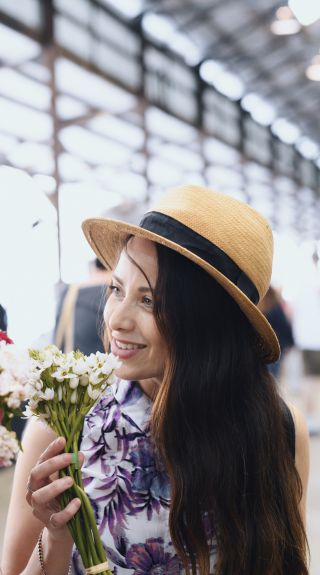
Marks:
<point>121,345</point>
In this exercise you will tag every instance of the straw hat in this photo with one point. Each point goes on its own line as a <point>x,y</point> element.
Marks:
<point>226,237</point>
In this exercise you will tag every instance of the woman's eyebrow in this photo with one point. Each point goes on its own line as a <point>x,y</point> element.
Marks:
<point>142,289</point>
<point>117,279</point>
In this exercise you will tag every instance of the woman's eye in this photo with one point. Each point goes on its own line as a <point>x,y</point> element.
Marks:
<point>114,289</point>
<point>148,301</point>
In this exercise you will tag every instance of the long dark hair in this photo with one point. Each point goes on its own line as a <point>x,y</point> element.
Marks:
<point>219,423</point>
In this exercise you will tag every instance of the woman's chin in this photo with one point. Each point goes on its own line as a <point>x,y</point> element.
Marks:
<point>124,373</point>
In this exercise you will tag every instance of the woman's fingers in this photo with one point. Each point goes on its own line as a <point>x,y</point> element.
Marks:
<point>40,474</point>
<point>53,448</point>
<point>43,490</point>
<point>61,518</point>
<point>45,495</point>
<point>42,471</point>
<point>51,461</point>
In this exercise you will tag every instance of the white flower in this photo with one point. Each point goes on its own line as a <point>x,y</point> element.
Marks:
<point>54,349</point>
<point>28,413</point>
<point>84,380</point>
<point>34,395</point>
<point>70,357</point>
<point>15,360</point>
<point>101,357</point>
<point>60,373</point>
<point>31,391</point>
<point>46,358</point>
<point>48,395</point>
<point>59,393</point>
<point>91,360</point>
<point>74,382</point>
<point>79,366</point>
<point>94,377</point>
<point>9,447</point>
<point>6,382</point>
<point>14,369</point>
<point>93,393</point>
<point>109,363</point>
<point>112,379</point>
<point>34,377</point>
<point>74,396</point>
<point>13,401</point>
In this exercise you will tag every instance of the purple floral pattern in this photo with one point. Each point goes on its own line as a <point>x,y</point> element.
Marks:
<point>128,485</point>
<point>152,558</point>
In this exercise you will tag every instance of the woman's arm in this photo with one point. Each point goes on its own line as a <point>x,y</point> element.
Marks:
<point>22,528</point>
<point>302,456</point>
<point>30,511</point>
<point>56,557</point>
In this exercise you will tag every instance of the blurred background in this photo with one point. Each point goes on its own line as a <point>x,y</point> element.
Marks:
<point>106,103</point>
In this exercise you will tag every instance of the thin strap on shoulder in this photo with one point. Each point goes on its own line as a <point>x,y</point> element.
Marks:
<point>290,428</point>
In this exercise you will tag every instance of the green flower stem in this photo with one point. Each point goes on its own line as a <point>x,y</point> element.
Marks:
<point>77,472</point>
<point>78,423</point>
<point>57,423</point>
<point>86,535</point>
<point>100,554</point>
<point>85,503</point>
<point>76,429</point>
<point>91,540</point>
<point>75,525</point>
<point>90,548</point>
<point>61,417</point>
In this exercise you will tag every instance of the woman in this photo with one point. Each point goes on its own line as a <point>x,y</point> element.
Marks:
<point>193,462</point>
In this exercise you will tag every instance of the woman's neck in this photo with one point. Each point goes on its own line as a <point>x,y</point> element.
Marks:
<point>150,387</point>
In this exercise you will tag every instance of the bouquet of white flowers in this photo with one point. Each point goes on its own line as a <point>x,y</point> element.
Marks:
<point>14,367</point>
<point>62,389</point>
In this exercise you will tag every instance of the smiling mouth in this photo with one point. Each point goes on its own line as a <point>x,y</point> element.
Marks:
<point>128,346</point>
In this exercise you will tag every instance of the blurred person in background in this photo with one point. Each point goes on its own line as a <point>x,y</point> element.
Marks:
<point>192,460</point>
<point>3,319</point>
<point>79,320</point>
<point>272,306</point>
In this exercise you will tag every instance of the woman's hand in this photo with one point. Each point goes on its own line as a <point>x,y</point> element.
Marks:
<point>43,491</point>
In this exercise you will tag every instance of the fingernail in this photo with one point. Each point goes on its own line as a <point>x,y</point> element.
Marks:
<point>68,481</point>
<point>74,460</point>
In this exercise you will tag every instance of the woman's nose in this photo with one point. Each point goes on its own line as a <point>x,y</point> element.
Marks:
<point>120,316</point>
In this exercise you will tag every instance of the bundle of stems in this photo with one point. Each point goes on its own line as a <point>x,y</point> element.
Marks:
<point>62,389</point>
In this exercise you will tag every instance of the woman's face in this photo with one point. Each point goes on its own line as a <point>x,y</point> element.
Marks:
<point>132,331</point>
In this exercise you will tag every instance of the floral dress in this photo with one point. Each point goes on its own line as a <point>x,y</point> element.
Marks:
<point>128,486</point>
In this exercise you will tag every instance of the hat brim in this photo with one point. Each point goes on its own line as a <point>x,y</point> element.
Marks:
<point>107,237</point>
